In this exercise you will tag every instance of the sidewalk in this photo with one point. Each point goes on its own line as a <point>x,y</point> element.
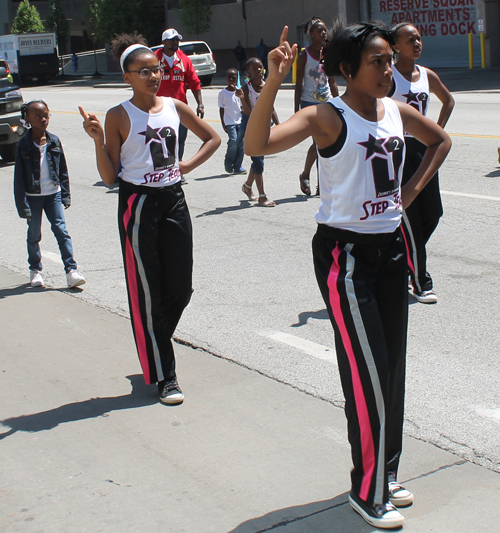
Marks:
<point>86,447</point>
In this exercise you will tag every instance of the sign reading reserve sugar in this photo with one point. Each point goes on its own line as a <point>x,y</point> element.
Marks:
<point>443,25</point>
<point>36,45</point>
<point>433,17</point>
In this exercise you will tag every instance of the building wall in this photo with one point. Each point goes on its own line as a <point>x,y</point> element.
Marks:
<point>265,19</point>
<point>445,45</point>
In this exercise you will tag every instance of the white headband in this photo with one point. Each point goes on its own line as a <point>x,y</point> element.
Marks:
<point>128,51</point>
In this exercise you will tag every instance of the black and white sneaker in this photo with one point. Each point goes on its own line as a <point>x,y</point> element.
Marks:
<point>170,392</point>
<point>426,297</point>
<point>384,516</point>
<point>398,495</point>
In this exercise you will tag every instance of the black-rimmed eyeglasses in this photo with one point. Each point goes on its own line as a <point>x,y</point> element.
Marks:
<point>145,73</point>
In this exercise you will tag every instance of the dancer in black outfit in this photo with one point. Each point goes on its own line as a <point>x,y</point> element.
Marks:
<point>359,253</point>
<point>412,84</point>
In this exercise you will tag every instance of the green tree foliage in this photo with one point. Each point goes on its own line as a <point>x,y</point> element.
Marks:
<point>195,15</point>
<point>129,16</point>
<point>27,19</point>
<point>93,21</point>
<point>57,23</point>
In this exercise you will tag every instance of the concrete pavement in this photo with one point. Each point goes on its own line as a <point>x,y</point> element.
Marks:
<point>86,447</point>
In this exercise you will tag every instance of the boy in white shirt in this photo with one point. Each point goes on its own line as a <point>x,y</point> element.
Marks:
<point>230,116</point>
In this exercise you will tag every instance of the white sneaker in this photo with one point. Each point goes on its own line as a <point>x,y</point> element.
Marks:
<point>74,279</point>
<point>426,297</point>
<point>398,495</point>
<point>36,279</point>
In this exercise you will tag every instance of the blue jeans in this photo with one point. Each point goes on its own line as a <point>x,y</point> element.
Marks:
<point>257,162</point>
<point>54,211</point>
<point>234,153</point>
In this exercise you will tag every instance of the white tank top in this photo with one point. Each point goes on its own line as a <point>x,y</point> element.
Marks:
<point>315,88</point>
<point>149,154</point>
<point>360,184</point>
<point>415,93</point>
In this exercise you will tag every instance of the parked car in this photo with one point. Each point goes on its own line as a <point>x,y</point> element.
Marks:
<point>5,65</point>
<point>11,127</point>
<point>202,58</point>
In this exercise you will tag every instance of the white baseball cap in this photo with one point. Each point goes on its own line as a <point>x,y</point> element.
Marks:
<point>170,34</point>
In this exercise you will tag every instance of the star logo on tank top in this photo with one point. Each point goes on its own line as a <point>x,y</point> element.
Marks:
<point>373,146</point>
<point>162,143</point>
<point>151,134</point>
<point>417,100</point>
<point>385,169</point>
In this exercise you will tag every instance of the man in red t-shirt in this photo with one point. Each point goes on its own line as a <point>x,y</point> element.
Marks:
<point>178,72</point>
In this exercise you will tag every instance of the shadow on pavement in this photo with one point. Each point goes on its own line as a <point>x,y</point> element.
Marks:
<point>24,288</point>
<point>494,174</point>
<point>295,199</point>
<point>244,204</point>
<point>110,188</point>
<point>142,395</point>
<point>327,516</point>
<point>216,177</point>
<point>322,314</point>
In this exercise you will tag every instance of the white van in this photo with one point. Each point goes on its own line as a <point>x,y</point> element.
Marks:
<point>202,58</point>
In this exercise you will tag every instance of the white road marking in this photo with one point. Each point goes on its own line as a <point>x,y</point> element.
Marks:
<point>54,258</point>
<point>490,413</point>
<point>311,348</point>
<point>467,195</point>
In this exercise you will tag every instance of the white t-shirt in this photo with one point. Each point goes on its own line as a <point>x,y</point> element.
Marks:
<point>46,184</point>
<point>170,60</point>
<point>232,107</point>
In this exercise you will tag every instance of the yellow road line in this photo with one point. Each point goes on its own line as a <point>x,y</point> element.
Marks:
<point>469,195</point>
<point>474,136</point>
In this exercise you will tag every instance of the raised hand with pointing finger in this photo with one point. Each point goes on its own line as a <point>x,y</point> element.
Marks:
<point>92,125</point>
<point>280,59</point>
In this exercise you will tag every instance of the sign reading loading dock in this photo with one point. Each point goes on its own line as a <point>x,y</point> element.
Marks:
<point>443,24</point>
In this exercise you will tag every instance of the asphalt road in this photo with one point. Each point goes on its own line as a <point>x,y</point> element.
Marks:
<point>256,301</point>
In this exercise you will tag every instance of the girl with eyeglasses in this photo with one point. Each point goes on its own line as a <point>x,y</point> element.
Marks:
<point>155,227</point>
<point>358,250</point>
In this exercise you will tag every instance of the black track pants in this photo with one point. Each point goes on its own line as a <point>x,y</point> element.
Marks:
<point>156,238</point>
<point>363,280</point>
<point>421,218</point>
